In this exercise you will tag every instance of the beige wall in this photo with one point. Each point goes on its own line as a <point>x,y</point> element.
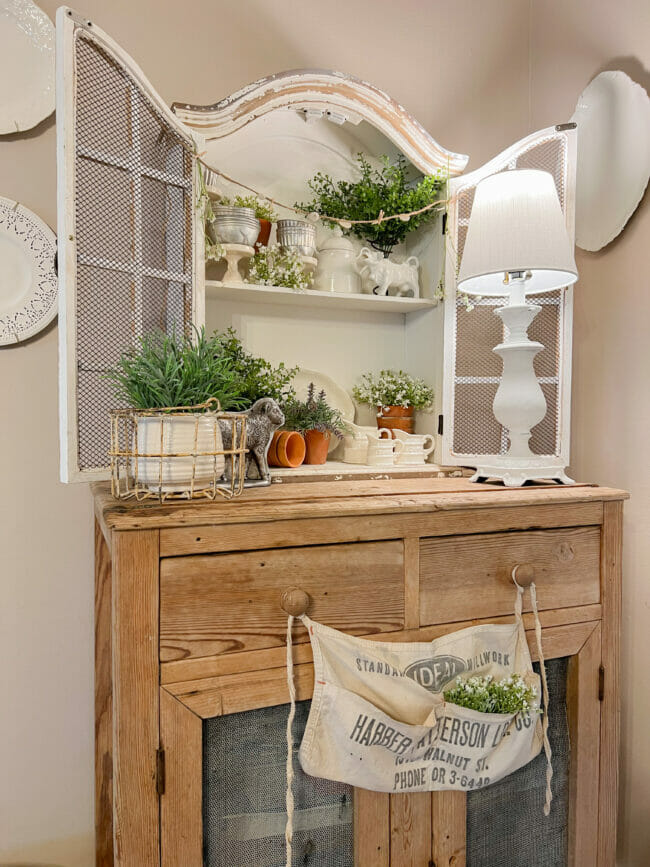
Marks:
<point>572,42</point>
<point>464,70</point>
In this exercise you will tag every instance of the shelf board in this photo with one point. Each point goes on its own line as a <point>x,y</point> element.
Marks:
<point>340,471</point>
<point>253,293</point>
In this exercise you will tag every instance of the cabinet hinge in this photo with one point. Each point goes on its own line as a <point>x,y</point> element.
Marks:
<point>160,772</point>
<point>601,683</point>
<point>441,424</point>
<point>444,223</point>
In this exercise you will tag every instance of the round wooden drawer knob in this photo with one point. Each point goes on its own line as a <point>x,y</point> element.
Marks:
<point>295,601</point>
<point>524,574</point>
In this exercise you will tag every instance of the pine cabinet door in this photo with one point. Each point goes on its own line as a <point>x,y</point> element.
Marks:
<point>472,370</point>
<point>224,791</point>
<point>129,236</point>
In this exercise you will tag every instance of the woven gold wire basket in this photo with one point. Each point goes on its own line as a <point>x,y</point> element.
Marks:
<point>178,453</point>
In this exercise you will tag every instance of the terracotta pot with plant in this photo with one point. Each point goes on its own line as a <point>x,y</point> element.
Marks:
<point>397,395</point>
<point>317,421</point>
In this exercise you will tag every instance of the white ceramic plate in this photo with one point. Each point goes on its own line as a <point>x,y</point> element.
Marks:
<point>26,65</point>
<point>613,117</point>
<point>337,397</point>
<point>28,283</point>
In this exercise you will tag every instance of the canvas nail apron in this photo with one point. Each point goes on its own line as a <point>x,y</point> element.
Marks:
<point>378,718</point>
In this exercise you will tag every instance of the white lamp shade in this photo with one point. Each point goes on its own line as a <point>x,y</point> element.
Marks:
<point>516,224</point>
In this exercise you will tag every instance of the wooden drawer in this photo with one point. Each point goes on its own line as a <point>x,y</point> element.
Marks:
<point>466,577</point>
<point>223,603</point>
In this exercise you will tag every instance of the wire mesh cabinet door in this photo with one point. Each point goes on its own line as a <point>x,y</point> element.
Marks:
<point>472,370</point>
<point>129,236</point>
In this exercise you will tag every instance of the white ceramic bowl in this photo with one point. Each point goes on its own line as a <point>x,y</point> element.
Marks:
<point>181,435</point>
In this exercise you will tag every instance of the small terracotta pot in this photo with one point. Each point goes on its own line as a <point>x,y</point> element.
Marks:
<point>317,446</point>
<point>265,233</point>
<point>396,417</point>
<point>287,449</point>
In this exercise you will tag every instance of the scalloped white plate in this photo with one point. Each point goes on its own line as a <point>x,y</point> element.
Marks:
<point>613,117</point>
<point>26,65</point>
<point>28,282</point>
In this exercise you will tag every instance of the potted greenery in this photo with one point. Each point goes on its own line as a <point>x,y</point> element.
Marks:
<point>316,420</point>
<point>174,373</point>
<point>387,189</point>
<point>174,383</point>
<point>263,211</point>
<point>396,395</point>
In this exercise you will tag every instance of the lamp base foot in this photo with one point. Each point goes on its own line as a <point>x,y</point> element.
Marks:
<point>515,472</point>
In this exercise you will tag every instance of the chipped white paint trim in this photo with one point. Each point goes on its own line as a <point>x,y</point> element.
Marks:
<point>333,93</point>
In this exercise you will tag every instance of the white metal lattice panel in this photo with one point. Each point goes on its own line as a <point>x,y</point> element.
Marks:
<point>129,240</point>
<point>471,369</point>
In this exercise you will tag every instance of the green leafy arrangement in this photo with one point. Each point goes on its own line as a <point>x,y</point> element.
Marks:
<point>172,371</point>
<point>386,189</point>
<point>509,695</point>
<point>256,376</point>
<point>394,388</point>
<point>313,414</point>
<point>263,210</point>
<point>275,266</point>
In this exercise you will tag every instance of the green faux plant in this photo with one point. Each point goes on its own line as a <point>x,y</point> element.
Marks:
<point>509,695</point>
<point>386,189</point>
<point>172,371</point>
<point>394,388</point>
<point>256,376</point>
<point>314,413</point>
<point>263,209</point>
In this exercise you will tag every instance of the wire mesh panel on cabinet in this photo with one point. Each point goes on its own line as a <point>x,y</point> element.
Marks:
<point>244,783</point>
<point>506,824</point>
<point>128,248</point>
<point>472,330</point>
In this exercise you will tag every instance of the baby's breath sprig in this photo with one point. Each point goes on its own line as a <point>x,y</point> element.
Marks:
<point>277,266</point>
<point>394,388</point>
<point>509,695</point>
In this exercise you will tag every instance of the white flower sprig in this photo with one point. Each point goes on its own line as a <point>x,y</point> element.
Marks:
<point>277,266</point>
<point>509,695</point>
<point>394,388</point>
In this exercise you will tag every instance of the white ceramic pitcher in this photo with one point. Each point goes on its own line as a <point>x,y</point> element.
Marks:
<point>415,449</point>
<point>355,442</point>
<point>382,451</point>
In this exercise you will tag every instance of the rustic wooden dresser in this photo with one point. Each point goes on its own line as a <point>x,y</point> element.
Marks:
<point>189,627</point>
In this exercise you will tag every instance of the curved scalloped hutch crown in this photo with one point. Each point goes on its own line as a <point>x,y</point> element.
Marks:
<point>317,93</point>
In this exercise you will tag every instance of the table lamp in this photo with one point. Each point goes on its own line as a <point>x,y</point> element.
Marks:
<point>517,245</point>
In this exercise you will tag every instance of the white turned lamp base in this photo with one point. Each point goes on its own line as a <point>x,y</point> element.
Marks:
<point>519,403</point>
<point>514,472</point>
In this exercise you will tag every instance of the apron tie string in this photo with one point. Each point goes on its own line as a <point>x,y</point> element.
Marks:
<point>542,668</point>
<point>288,831</point>
<point>540,653</point>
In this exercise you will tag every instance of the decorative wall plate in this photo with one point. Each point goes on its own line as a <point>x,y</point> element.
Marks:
<point>613,118</point>
<point>28,282</point>
<point>26,65</point>
<point>336,395</point>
